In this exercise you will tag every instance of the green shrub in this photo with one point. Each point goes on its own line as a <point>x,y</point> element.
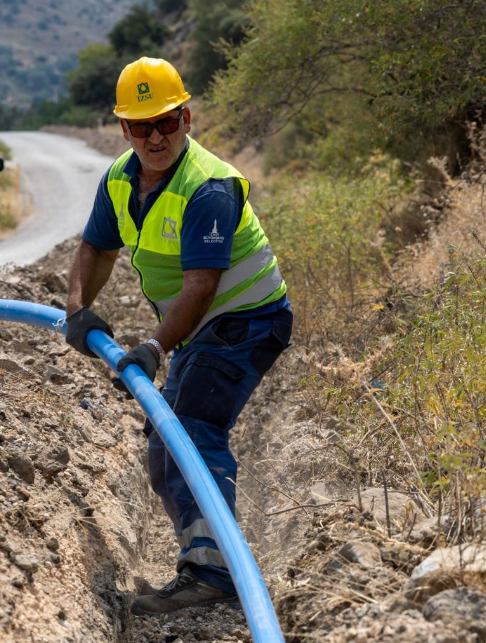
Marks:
<point>411,403</point>
<point>7,219</point>
<point>328,234</point>
<point>442,378</point>
<point>215,22</point>
<point>93,82</point>
<point>413,72</point>
<point>80,116</point>
<point>5,151</point>
<point>139,32</point>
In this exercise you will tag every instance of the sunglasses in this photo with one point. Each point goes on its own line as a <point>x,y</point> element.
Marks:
<point>163,126</point>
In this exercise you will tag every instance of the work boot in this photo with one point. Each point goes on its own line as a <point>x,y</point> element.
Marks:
<point>184,591</point>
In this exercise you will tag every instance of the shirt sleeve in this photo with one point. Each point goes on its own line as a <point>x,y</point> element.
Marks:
<point>101,231</point>
<point>210,220</point>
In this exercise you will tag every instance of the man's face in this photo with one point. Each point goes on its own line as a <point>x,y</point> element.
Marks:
<point>159,151</point>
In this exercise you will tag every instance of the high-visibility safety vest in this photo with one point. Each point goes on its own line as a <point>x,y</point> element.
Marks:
<point>253,278</point>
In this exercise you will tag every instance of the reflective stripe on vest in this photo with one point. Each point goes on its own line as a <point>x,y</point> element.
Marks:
<point>253,278</point>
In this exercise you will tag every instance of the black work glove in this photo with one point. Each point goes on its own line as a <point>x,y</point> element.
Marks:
<point>142,356</point>
<point>78,326</point>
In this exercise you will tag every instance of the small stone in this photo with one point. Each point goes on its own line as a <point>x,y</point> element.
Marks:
<point>401,507</point>
<point>20,347</point>
<point>6,335</point>
<point>434,573</point>
<point>10,365</point>
<point>53,461</point>
<point>22,465</point>
<point>55,559</point>
<point>9,546</point>
<point>463,607</point>
<point>28,361</point>
<point>365,554</point>
<point>27,562</point>
<point>52,544</point>
<point>132,339</point>
<point>53,281</point>
<point>23,493</point>
<point>56,375</point>
<point>86,405</point>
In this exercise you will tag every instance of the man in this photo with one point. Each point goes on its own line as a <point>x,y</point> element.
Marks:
<point>207,269</point>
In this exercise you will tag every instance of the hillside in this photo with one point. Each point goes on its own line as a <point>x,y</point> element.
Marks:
<point>39,43</point>
<point>310,496</point>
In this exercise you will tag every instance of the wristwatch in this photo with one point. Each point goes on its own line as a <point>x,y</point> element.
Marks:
<point>158,347</point>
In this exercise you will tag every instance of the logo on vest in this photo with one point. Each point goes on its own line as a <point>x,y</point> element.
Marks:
<point>213,236</point>
<point>121,219</point>
<point>169,228</point>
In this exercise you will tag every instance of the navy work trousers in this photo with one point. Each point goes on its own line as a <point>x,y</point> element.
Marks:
<point>209,383</point>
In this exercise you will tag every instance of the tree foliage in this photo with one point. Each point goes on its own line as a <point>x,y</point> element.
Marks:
<point>138,33</point>
<point>170,6</point>
<point>215,22</point>
<point>93,82</point>
<point>415,66</point>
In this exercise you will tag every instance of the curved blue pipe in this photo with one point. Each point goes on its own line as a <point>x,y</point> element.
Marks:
<point>248,581</point>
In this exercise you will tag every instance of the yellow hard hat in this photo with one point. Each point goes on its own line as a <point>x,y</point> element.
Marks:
<point>148,87</point>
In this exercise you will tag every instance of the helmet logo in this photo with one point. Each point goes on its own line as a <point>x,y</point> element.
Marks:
<point>144,92</point>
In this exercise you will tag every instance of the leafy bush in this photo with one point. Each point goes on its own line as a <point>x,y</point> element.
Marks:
<point>169,6</point>
<point>5,151</point>
<point>411,404</point>
<point>442,379</point>
<point>215,22</point>
<point>138,33</point>
<point>416,68</point>
<point>93,83</point>
<point>328,234</point>
<point>7,220</point>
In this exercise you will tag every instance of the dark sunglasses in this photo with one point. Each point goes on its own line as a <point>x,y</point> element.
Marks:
<point>163,126</point>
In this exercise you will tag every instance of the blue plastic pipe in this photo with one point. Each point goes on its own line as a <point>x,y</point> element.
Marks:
<point>248,581</point>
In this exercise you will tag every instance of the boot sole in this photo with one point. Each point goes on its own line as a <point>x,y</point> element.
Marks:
<point>233,601</point>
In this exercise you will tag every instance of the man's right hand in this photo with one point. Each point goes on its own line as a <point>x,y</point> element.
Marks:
<point>78,326</point>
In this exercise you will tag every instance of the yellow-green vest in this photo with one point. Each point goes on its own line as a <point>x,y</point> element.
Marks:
<point>253,278</point>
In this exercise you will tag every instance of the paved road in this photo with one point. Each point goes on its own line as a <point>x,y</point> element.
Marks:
<point>61,175</point>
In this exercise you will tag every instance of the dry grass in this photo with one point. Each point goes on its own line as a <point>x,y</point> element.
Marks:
<point>12,208</point>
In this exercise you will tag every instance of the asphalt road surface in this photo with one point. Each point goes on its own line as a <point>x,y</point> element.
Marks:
<point>61,176</point>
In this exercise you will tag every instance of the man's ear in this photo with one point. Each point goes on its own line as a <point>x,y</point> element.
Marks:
<point>124,127</point>
<point>186,117</point>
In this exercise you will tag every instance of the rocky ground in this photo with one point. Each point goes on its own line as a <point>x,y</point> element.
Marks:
<point>81,532</point>
<point>80,529</point>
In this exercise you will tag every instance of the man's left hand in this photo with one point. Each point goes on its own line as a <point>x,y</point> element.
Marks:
<point>143,356</point>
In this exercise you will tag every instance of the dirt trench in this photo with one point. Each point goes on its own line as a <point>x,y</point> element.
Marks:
<point>80,529</point>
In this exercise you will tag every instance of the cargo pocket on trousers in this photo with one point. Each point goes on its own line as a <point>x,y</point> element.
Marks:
<point>266,353</point>
<point>208,388</point>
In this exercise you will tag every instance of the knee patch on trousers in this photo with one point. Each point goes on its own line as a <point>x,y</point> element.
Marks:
<point>208,389</point>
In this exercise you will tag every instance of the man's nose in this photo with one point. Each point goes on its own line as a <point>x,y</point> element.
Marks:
<point>155,137</point>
